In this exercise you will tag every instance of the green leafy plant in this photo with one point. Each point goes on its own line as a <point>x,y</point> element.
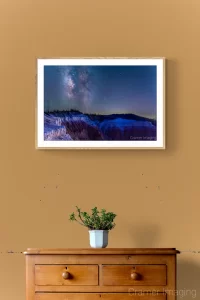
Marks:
<point>97,220</point>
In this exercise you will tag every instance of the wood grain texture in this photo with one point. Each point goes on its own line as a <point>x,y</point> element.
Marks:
<point>67,296</point>
<point>30,277</point>
<point>102,275</point>
<point>101,259</point>
<point>121,275</point>
<point>79,275</point>
<point>171,275</point>
<point>112,251</point>
<point>100,288</point>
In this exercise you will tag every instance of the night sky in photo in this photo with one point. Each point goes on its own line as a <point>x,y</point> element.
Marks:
<point>101,89</point>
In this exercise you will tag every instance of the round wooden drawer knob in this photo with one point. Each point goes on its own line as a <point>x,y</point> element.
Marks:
<point>135,276</point>
<point>65,275</point>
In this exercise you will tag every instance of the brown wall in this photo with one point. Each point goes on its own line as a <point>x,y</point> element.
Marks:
<point>154,193</point>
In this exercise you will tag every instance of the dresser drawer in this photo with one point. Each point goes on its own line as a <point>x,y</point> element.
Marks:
<point>155,275</point>
<point>101,274</point>
<point>66,275</point>
<point>91,296</point>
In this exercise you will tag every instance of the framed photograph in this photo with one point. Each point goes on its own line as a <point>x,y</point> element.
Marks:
<point>101,103</point>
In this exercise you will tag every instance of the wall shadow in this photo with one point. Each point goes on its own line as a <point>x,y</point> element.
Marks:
<point>188,279</point>
<point>172,108</point>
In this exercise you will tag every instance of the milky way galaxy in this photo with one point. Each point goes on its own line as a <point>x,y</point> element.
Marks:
<point>77,86</point>
<point>101,89</point>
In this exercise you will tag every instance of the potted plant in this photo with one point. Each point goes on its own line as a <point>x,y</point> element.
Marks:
<point>98,222</point>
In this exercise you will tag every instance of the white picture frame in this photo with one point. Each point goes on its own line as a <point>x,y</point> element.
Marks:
<point>48,141</point>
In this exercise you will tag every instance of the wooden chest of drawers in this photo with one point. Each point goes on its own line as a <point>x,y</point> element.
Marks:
<point>109,274</point>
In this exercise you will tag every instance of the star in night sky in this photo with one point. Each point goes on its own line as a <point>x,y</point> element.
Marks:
<point>101,89</point>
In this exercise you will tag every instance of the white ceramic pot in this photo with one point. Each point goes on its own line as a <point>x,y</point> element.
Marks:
<point>98,238</point>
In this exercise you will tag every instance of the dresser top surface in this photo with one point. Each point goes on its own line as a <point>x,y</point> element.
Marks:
<point>113,251</point>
